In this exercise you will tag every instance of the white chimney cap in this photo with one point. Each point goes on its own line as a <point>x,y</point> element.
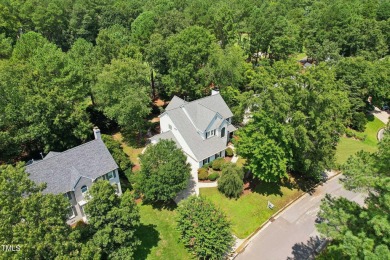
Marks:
<point>214,92</point>
<point>96,132</point>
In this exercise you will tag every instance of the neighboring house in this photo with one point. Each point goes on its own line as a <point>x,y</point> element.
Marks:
<point>201,128</point>
<point>73,171</point>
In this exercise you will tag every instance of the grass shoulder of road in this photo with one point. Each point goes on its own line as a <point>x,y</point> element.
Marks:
<point>349,146</point>
<point>250,211</point>
<point>160,239</point>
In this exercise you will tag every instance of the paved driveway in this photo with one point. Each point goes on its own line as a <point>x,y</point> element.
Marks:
<point>293,234</point>
<point>381,115</point>
<point>192,188</point>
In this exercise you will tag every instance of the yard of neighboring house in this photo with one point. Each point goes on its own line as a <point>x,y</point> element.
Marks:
<point>159,236</point>
<point>131,152</point>
<point>350,145</point>
<point>250,211</point>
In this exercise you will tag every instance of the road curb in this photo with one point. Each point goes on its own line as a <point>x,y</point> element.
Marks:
<point>245,243</point>
<point>379,133</point>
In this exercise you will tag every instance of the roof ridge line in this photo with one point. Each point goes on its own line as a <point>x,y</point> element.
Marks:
<point>210,109</point>
<point>203,97</point>
<point>60,153</point>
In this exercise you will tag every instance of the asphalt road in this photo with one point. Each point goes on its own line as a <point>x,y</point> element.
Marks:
<point>293,234</point>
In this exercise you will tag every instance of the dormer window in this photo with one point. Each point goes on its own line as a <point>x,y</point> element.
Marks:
<point>210,133</point>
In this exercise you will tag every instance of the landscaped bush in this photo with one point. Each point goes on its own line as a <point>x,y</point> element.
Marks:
<point>230,183</point>
<point>206,166</point>
<point>229,152</point>
<point>203,174</point>
<point>213,176</point>
<point>217,164</point>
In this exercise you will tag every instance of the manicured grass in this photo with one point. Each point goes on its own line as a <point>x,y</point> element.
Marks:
<point>349,146</point>
<point>160,239</point>
<point>250,211</point>
<point>131,152</point>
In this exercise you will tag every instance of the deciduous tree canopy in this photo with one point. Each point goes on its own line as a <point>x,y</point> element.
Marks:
<point>361,231</point>
<point>164,171</point>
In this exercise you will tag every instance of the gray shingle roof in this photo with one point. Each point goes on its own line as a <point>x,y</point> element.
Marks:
<point>231,128</point>
<point>201,148</point>
<point>51,154</point>
<point>62,170</point>
<point>217,104</point>
<point>166,136</point>
<point>203,110</point>
<point>175,103</point>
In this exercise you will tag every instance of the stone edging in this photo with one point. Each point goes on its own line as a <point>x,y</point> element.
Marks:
<point>244,244</point>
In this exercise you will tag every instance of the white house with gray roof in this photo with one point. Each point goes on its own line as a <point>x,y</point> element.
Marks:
<point>201,128</point>
<point>73,171</point>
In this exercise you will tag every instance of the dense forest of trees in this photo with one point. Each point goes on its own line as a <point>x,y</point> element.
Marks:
<point>61,59</point>
<point>65,63</point>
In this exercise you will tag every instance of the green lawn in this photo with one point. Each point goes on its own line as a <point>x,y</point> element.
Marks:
<point>160,239</point>
<point>250,211</point>
<point>131,152</point>
<point>349,146</point>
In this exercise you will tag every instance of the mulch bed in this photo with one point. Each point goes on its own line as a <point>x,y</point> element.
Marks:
<point>136,167</point>
<point>158,102</point>
<point>249,186</point>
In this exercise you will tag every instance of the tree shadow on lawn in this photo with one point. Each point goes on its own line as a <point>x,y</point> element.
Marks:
<point>306,250</point>
<point>264,188</point>
<point>160,205</point>
<point>303,183</point>
<point>149,237</point>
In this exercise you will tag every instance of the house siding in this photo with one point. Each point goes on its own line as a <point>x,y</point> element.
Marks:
<point>77,189</point>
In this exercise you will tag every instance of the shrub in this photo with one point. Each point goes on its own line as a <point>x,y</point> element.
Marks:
<point>229,152</point>
<point>218,163</point>
<point>202,174</point>
<point>213,176</point>
<point>230,183</point>
<point>206,166</point>
<point>359,121</point>
<point>203,228</point>
<point>349,133</point>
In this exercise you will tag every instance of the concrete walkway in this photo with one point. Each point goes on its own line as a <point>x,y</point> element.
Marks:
<point>381,115</point>
<point>207,184</point>
<point>193,187</point>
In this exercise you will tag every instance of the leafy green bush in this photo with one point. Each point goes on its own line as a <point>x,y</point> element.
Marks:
<point>206,166</point>
<point>202,174</point>
<point>117,152</point>
<point>359,121</point>
<point>349,133</point>
<point>230,183</point>
<point>218,163</point>
<point>213,176</point>
<point>229,152</point>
